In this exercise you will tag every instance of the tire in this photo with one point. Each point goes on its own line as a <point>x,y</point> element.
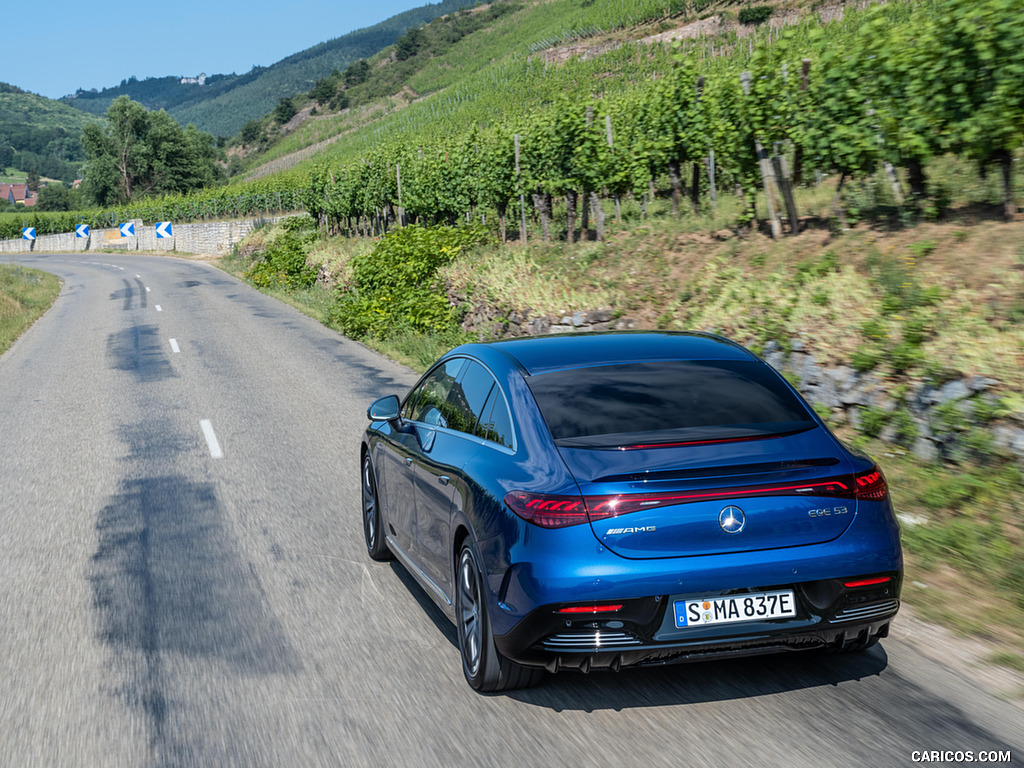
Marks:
<point>483,665</point>
<point>373,522</point>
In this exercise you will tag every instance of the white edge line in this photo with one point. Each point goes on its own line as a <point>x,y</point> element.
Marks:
<point>211,439</point>
<point>174,346</point>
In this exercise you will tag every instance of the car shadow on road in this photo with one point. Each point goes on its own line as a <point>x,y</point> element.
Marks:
<point>702,682</point>
<point>673,684</point>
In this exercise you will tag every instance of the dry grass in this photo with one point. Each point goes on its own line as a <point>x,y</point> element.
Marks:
<point>25,295</point>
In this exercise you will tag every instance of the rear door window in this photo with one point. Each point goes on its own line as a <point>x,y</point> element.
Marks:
<point>467,398</point>
<point>495,423</point>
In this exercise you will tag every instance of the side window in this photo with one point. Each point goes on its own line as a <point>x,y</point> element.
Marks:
<point>467,398</point>
<point>495,424</point>
<point>428,402</point>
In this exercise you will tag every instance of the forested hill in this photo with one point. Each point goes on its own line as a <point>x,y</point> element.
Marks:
<point>226,102</point>
<point>40,134</point>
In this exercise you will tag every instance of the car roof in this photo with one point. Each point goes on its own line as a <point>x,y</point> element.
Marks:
<point>544,354</point>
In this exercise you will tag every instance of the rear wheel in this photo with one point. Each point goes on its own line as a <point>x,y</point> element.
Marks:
<point>373,527</point>
<point>483,665</point>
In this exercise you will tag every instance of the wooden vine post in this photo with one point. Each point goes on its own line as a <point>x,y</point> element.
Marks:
<point>767,174</point>
<point>522,199</point>
<point>611,145</point>
<point>401,210</point>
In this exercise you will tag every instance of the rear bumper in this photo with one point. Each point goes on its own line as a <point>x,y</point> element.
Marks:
<point>643,632</point>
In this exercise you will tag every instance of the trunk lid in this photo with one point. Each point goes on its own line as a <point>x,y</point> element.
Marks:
<point>716,497</point>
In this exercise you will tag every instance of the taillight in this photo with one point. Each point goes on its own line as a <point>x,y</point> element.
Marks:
<point>550,511</point>
<point>871,485</point>
<point>546,510</point>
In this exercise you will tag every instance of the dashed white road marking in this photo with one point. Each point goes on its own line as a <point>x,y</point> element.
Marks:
<point>211,439</point>
<point>139,276</point>
<point>174,346</point>
<point>147,289</point>
<point>158,308</point>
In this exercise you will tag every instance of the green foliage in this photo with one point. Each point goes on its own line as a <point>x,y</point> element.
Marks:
<point>139,153</point>
<point>57,197</point>
<point>866,357</point>
<point>395,285</point>
<point>284,111</point>
<point>872,420</point>
<point>283,263</point>
<point>755,14</point>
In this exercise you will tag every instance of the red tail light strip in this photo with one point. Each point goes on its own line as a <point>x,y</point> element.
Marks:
<point>867,582</point>
<point>642,446</point>
<point>551,511</point>
<point>591,609</point>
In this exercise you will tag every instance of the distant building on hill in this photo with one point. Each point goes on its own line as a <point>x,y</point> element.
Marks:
<point>201,80</point>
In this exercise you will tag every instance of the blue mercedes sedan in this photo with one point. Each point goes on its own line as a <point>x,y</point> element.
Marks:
<point>600,501</point>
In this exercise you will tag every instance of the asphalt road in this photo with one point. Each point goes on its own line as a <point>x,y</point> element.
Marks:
<point>186,584</point>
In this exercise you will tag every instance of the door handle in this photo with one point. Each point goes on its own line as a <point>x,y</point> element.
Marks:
<point>408,462</point>
<point>443,479</point>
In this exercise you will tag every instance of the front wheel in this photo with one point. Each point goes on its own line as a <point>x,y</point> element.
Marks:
<point>482,664</point>
<point>373,528</point>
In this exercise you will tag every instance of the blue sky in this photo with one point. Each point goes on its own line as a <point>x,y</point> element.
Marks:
<point>53,48</point>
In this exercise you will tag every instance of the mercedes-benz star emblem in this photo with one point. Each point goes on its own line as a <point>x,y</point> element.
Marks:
<point>732,519</point>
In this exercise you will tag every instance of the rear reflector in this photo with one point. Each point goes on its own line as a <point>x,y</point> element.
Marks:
<point>867,582</point>
<point>591,609</point>
<point>550,511</point>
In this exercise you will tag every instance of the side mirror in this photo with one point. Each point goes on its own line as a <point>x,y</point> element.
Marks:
<point>384,409</point>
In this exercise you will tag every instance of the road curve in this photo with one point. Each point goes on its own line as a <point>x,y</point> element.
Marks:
<point>186,582</point>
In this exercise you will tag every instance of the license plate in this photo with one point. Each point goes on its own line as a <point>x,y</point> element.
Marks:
<point>752,606</point>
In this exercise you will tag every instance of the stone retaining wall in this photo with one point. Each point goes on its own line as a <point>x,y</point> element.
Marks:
<point>214,238</point>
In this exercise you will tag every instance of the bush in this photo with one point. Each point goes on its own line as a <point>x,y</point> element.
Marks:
<point>755,14</point>
<point>284,259</point>
<point>872,420</point>
<point>396,286</point>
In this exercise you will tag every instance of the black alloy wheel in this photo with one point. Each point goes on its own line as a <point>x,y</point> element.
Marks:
<point>373,528</point>
<point>483,665</point>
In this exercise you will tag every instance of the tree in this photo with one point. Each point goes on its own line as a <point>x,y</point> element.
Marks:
<point>356,73</point>
<point>139,152</point>
<point>284,111</point>
<point>57,197</point>
<point>409,44</point>
<point>6,153</point>
<point>32,181</point>
<point>251,131</point>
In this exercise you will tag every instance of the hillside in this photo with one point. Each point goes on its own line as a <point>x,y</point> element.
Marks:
<point>44,134</point>
<point>509,57</point>
<point>226,102</point>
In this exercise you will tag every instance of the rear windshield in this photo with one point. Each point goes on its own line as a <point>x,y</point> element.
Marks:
<point>666,402</point>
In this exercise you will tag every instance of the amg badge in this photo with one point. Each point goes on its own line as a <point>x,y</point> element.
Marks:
<point>641,529</point>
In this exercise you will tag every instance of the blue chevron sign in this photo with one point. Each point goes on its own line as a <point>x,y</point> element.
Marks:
<point>163,229</point>
<point>127,230</point>
<point>82,230</point>
<point>28,233</point>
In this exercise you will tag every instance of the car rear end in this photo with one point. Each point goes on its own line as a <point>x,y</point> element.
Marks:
<point>715,515</point>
